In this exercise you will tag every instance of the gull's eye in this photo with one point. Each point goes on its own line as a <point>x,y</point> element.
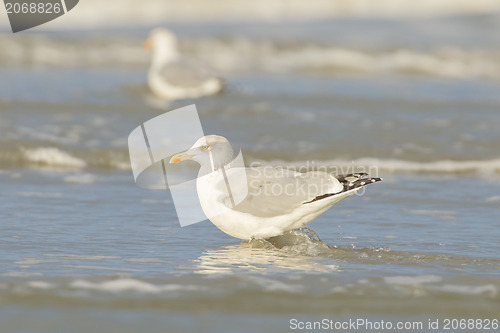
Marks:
<point>205,147</point>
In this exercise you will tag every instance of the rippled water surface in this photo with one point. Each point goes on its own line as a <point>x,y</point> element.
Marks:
<point>414,101</point>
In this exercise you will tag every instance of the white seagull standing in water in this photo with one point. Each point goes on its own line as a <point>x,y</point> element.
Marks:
<point>275,200</point>
<point>171,78</point>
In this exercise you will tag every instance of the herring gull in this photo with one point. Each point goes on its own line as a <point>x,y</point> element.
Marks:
<point>275,200</point>
<point>170,77</point>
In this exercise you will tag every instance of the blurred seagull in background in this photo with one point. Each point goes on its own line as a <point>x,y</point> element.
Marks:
<point>170,77</point>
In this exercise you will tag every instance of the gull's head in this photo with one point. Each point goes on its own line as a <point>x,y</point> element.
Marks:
<point>163,42</point>
<point>211,151</point>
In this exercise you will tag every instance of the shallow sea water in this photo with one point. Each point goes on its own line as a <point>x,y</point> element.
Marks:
<point>74,252</point>
<point>83,249</point>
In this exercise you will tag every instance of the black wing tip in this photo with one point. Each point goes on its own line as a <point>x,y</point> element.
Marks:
<point>350,181</point>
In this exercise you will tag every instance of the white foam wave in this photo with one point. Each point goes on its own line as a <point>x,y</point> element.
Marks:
<point>244,54</point>
<point>448,62</point>
<point>41,285</point>
<point>53,157</point>
<point>412,280</point>
<point>121,165</point>
<point>81,179</point>
<point>127,284</point>
<point>56,158</point>
<point>103,268</point>
<point>30,262</point>
<point>488,289</point>
<point>43,50</point>
<point>495,198</point>
<point>373,166</point>
<point>444,166</point>
<point>275,285</point>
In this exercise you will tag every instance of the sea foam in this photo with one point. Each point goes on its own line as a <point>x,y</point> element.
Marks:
<point>52,157</point>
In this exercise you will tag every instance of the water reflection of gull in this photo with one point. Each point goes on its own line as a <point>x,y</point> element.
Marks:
<point>261,256</point>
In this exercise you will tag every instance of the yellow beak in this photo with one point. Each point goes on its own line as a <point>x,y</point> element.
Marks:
<point>180,157</point>
<point>148,45</point>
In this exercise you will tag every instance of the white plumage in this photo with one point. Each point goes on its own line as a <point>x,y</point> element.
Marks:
<point>170,77</point>
<point>274,200</point>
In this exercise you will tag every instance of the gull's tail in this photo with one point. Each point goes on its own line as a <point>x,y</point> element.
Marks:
<point>355,180</point>
<point>350,181</point>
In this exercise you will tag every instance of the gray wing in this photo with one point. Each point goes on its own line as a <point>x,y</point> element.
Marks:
<point>276,191</point>
<point>184,74</point>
